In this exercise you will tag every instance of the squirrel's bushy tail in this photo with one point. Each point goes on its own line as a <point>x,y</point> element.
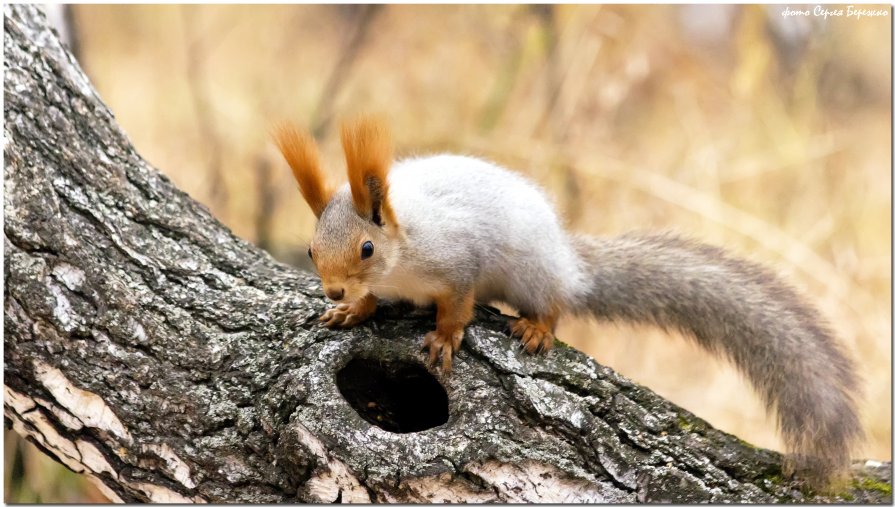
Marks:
<point>740,310</point>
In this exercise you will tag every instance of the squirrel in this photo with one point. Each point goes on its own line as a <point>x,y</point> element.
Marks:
<point>455,230</point>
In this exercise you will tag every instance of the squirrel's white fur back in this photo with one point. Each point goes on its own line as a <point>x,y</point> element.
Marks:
<point>495,231</point>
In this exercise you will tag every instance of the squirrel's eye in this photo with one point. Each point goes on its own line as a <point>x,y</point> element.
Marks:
<point>310,254</point>
<point>366,250</point>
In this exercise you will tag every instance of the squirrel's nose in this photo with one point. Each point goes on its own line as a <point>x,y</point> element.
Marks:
<point>336,294</point>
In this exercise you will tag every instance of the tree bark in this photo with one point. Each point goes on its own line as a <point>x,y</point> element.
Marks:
<point>149,348</point>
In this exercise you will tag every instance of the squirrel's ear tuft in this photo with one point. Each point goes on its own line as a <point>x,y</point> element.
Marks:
<point>300,151</point>
<point>368,153</point>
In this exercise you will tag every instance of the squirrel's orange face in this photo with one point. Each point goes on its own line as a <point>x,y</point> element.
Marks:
<point>351,254</point>
<point>354,244</point>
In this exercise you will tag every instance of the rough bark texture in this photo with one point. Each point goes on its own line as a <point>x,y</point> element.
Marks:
<point>148,347</point>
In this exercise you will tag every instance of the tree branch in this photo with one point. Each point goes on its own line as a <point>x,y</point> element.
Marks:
<point>149,348</point>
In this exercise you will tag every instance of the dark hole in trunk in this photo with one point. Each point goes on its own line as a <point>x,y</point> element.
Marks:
<point>400,397</point>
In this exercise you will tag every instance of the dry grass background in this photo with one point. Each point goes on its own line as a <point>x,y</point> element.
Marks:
<point>769,136</point>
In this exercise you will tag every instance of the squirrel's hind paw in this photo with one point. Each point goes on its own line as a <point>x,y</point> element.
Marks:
<point>535,335</point>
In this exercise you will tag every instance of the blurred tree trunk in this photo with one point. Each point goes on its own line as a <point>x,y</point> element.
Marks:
<point>360,18</point>
<point>62,18</point>
<point>149,348</point>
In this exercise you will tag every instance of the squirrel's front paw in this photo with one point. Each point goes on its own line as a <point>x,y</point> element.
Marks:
<point>445,344</point>
<point>535,335</point>
<point>343,315</point>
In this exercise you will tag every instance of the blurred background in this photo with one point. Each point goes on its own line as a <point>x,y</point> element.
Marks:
<point>766,134</point>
